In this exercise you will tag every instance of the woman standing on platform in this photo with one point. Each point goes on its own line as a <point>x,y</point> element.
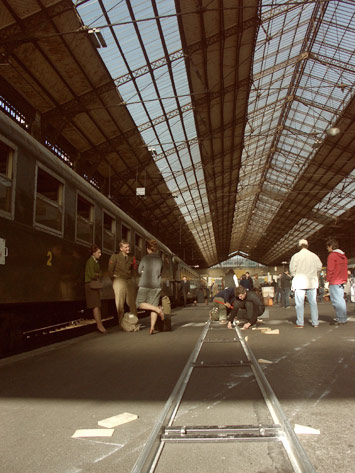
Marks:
<point>149,287</point>
<point>93,286</point>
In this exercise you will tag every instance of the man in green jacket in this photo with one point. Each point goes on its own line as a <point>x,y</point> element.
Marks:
<point>121,270</point>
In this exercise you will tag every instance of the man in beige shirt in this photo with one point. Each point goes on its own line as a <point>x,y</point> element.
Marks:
<point>121,270</point>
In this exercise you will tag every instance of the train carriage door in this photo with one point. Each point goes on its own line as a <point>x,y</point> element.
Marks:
<point>108,232</point>
<point>85,213</point>
<point>126,234</point>
<point>6,180</point>
<point>138,247</point>
<point>166,276</point>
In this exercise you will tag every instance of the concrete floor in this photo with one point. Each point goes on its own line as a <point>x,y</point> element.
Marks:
<point>49,393</point>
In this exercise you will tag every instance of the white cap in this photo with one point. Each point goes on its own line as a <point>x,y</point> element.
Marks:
<point>303,242</point>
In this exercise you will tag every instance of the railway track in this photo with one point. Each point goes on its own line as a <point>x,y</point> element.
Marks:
<point>213,389</point>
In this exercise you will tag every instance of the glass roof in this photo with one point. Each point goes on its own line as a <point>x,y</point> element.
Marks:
<point>138,38</point>
<point>312,70</point>
<point>303,77</point>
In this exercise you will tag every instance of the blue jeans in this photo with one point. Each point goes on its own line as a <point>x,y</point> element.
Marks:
<point>336,292</point>
<point>312,299</point>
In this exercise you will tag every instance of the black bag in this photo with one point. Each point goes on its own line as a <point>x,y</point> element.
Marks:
<point>96,284</point>
<point>163,325</point>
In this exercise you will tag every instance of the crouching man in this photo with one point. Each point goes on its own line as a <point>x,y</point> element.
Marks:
<point>248,305</point>
<point>222,304</point>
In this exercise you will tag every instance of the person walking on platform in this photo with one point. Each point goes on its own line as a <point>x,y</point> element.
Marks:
<point>149,286</point>
<point>278,292</point>
<point>93,286</point>
<point>243,282</point>
<point>347,287</point>
<point>256,284</point>
<point>214,289</point>
<point>121,269</point>
<point>320,287</point>
<point>251,304</point>
<point>285,289</point>
<point>337,275</point>
<point>222,304</point>
<point>304,267</point>
<point>185,288</point>
<point>230,279</point>
<point>206,294</point>
<point>250,284</point>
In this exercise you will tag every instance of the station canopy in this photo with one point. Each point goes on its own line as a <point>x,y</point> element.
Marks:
<point>224,127</point>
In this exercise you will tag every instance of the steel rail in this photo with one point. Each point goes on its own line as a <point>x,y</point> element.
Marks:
<point>149,456</point>
<point>295,452</point>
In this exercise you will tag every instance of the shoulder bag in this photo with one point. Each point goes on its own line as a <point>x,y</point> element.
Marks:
<point>96,284</point>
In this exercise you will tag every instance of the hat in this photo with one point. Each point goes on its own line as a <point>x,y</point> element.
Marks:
<point>303,242</point>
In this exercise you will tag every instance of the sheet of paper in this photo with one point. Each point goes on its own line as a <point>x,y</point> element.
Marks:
<point>93,433</point>
<point>117,420</point>
<point>304,429</point>
<point>276,331</point>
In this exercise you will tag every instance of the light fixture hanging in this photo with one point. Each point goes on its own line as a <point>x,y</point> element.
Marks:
<point>333,131</point>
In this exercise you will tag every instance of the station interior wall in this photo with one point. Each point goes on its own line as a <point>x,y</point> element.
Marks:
<point>266,273</point>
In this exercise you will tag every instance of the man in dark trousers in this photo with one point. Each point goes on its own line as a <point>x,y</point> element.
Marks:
<point>285,289</point>
<point>251,303</point>
<point>185,288</point>
<point>250,285</point>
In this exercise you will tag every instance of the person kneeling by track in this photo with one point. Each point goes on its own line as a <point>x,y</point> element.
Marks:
<point>222,304</point>
<point>249,304</point>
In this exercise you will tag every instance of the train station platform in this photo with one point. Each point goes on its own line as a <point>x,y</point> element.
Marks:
<point>47,396</point>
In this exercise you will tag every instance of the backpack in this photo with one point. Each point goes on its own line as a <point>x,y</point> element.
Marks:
<point>129,323</point>
<point>213,313</point>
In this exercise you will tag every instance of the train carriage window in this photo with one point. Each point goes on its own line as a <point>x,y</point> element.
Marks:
<point>49,201</point>
<point>126,234</point>
<point>6,179</point>
<point>109,232</point>
<point>84,220</point>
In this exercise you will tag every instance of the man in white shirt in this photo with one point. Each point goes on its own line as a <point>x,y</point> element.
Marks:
<point>304,267</point>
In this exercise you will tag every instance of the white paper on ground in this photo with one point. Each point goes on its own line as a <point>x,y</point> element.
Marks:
<point>261,360</point>
<point>304,429</point>
<point>93,433</point>
<point>117,420</point>
<point>271,332</point>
